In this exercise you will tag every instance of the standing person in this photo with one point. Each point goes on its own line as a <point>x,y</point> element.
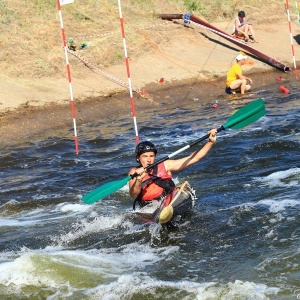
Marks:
<point>236,81</point>
<point>242,28</point>
<point>157,182</point>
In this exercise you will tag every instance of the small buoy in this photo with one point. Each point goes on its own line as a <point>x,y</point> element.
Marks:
<point>215,105</point>
<point>279,78</point>
<point>284,89</point>
<point>162,80</point>
<point>143,92</point>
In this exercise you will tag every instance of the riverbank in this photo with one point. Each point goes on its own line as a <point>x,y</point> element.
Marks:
<point>28,122</point>
<point>194,60</point>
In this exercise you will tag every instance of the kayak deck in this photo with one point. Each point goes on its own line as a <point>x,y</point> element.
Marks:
<point>183,201</point>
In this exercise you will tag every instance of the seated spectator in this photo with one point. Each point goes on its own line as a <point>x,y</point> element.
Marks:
<point>242,28</point>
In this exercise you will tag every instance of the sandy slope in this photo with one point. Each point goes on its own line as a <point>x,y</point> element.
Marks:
<point>190,55</point>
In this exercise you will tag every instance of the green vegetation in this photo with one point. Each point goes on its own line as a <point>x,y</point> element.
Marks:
<point>31,40</point>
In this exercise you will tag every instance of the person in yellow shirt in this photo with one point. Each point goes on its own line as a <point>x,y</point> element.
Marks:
<point>236,81</point>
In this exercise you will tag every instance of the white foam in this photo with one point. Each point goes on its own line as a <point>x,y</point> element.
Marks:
<point>9,222</point>
<point>85,227</point>
<point>140,284</point>
<point>276,206</point>
<point>27,218</point>
<point>68,207</point>
<point>125,188</point>
<point>52,268</point>
<point>276,179</point>
<point>47,213</point>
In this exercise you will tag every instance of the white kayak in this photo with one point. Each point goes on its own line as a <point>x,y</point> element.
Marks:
<point>158,211</point>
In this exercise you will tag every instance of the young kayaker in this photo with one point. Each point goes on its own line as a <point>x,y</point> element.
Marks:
<point>157,182</point>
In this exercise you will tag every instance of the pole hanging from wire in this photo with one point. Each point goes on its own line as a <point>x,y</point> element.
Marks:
<point>291,38</point>
<point>133,111</point>
<point>69,74</point>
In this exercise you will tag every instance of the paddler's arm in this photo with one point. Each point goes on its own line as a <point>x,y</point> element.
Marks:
<point>182,163</point>
<point>135,184</point>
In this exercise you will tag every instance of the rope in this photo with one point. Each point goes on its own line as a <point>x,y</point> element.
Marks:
<point>108,75</point>
<point>114,32</point>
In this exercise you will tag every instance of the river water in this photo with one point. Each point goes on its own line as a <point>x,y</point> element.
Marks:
<point>241,241</point>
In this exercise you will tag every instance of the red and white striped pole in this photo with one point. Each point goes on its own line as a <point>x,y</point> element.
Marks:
<point>137,139</point>
<point>69,75</point>
<point>291,38</point>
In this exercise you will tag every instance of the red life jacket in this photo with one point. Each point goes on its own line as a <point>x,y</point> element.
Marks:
<point>155,184</point>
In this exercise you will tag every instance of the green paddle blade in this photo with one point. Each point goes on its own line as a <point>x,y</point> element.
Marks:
<point>104,190</point>
<point>246,115</point>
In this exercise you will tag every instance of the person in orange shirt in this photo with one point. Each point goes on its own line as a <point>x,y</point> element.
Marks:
<point>236,81</point>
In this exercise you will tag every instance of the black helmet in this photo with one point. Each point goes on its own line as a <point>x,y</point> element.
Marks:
<point>143,147</point>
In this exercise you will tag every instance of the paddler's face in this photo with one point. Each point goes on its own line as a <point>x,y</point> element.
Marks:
<point>147,159</point>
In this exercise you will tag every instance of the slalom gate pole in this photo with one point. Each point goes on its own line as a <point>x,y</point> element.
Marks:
<point>137,139</point>
<point>291,38</point>
<point>69,76</point>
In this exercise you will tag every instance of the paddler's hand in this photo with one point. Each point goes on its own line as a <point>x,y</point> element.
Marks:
<point>141,174</point>
<point>212,135</point>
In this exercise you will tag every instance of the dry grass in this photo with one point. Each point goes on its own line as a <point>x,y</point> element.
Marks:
<point>31,42</point>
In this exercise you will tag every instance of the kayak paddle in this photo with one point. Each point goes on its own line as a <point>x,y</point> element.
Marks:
<point>243,117</point>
